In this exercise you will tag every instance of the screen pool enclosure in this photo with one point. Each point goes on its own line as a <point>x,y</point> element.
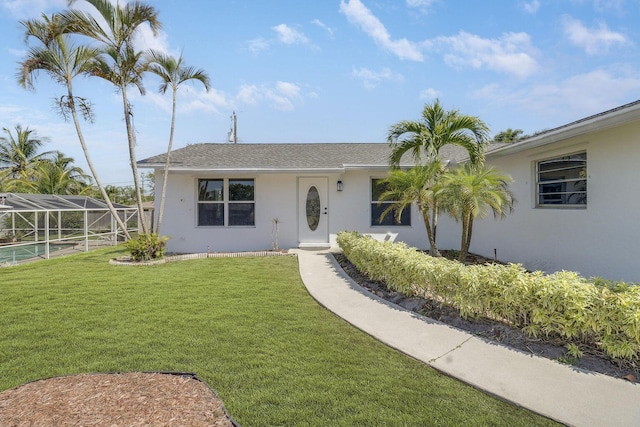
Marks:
<point>39,226</point>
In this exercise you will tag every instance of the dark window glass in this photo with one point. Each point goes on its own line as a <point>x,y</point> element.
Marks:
<point>238,203</point>
<point>242,213</point>
<point>210,214</point>
<point>377,189</point>
<point>241,189</point>
<point>210,190</point>
<point>390,218</point>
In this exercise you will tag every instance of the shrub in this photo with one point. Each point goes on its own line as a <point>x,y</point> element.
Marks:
<point>563,304</point>
<point>146,247</point>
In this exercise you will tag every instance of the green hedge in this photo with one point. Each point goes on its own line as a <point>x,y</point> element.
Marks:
<point>562,304</point>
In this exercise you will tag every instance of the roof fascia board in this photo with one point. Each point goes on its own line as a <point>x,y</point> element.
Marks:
<point>277,170</point>
<point>256,170</point>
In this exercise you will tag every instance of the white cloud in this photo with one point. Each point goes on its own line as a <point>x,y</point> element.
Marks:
<point>289,90</point>
<point>191,97</point>
<point>604,5</point>
<point>18,53</point>
<point>23,9</point>
<point>575,97</point>
<point>213,101</point>
<point>322,25</point>
<point>371,79</point>
<point>258,45</point>
<point>429,94</point>
<point>145,39</point>
<point>282,96</point>
<point>288,35</point>
<point>248,94</point>
<point>531,6</point>
<point>8,110</point>
<point>423,5</point>
<point>512,53</point>
<point>592,40</point>
<point>358,14</point>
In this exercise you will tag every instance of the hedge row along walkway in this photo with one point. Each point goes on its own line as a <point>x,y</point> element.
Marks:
<point>558,391</point>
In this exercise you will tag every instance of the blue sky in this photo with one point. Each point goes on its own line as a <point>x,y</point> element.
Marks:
<point>343,70</point>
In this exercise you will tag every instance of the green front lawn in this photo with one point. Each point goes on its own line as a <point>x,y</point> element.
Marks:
<point>246,326</point>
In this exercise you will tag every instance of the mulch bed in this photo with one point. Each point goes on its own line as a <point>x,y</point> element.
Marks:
<point>554,348</point>
<point>129,399</point>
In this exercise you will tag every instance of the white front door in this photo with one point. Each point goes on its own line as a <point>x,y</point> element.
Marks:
<point>313,212</point>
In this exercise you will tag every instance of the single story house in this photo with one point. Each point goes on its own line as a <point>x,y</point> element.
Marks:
<point>241,197</point>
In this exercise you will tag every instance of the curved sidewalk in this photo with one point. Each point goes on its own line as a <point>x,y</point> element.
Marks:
<point>558,391</point>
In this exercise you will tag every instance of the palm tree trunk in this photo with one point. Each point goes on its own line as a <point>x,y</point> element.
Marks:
<point>433,249</point>
<point>434,219</point>
<point>92,168</point>
<point>132,157</point>
<point>165,176</point>
<point>469,232</point>
<point>463,243</point>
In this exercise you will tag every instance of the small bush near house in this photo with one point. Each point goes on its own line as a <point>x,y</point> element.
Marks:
<point>563,304</point>
<point>146,247</point>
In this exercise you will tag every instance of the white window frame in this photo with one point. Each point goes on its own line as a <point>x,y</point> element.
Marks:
<point>225,202</point>
<point>564,195</point>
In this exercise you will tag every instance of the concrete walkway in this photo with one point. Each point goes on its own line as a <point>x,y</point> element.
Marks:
<point>558,391</point>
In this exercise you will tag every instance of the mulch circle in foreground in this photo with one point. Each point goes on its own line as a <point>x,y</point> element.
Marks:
<point>128,399</point>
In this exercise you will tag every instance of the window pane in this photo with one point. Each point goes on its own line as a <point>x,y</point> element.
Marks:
<point>241,189</point>
<point>210,190</point>
<point>390,218</point>
<point>210,214</point>
<point>377,188</point>
<point>242,213</point>
<point>574,161</point>
<point>563,180</point>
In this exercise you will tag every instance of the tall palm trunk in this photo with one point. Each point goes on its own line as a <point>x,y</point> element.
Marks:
<point>434,221</point>
<point>433,249</point>
<point>466,237</point>
<point>165,175</point>
<point>128,114</point>
<point>469,233</point>
<point>92,168</point>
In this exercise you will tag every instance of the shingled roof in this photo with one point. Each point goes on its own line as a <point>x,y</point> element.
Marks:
<point>287,157</point>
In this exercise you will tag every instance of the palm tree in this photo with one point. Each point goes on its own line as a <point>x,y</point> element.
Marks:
<point>20,153</point>
<point>424,140</point>
<point>63,62</point>
<point>470,191</point>
<point>120,63</point>
<point>509,136</point>
<point>173,73</point>
<point>7,183</point>
<point>60,176</point>
<point>420,185</point>
<point>438,128</point>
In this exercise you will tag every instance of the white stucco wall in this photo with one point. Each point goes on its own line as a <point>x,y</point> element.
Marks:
<point>601,240</point>
<point>351,210</point>
<point>276,197</point>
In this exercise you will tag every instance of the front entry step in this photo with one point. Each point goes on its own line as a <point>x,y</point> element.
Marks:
<point>312,245</point>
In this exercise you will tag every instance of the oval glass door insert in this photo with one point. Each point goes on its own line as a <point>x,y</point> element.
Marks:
<point>313,208</point>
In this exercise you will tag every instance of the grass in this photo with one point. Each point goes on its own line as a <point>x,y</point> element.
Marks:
<point>246,326</point>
